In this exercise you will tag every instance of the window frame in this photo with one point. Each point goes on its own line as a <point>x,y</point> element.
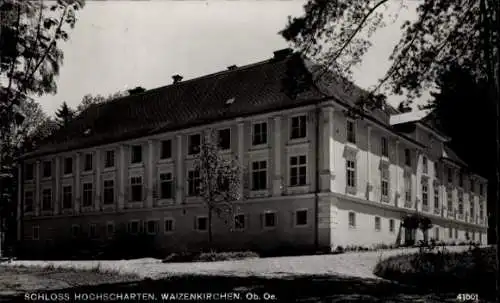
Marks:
<point>298,166</point>
<point>300,131</point>
<point>260,137</point>
<point>257,172</point>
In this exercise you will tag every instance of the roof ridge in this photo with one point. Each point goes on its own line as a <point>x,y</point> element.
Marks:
<point>239,68</point>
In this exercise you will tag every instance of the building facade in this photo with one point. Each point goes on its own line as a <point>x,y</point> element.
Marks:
<point>314,176</point>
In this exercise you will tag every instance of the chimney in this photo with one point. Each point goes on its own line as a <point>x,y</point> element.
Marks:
<point>177,78</point>
<point>232,67</point>
<point>282,53</point>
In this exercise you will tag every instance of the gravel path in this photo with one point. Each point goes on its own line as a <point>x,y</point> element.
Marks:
<point>355,264</point>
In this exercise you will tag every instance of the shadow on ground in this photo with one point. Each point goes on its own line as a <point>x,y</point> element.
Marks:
<point>285,289</point>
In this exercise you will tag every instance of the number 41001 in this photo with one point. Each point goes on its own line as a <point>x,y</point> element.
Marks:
<point>467,297</point>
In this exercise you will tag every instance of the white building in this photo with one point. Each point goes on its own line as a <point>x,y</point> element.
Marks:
<point>315,177</point>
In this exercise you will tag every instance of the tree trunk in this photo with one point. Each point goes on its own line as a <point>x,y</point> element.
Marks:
<point>210,227</point>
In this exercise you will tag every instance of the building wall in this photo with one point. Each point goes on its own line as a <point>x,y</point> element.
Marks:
<point>365,199</point>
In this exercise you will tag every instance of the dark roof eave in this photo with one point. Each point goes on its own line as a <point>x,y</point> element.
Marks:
<point>156,131</point>
<point>456,162</point>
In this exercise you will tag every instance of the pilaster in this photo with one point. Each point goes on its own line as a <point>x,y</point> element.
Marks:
<point>122,172</point>
<point>57,187</point>
<point>179,166</point>
<point>326,148</point>
<point>38,179</point>
<point>150,170</point>
<point>277,150</point>
<point>77,183</point>
<point>241,155</point>
<point>98,182</point>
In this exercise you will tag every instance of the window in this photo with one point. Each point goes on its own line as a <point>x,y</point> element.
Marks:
<point>109,160</point>
<point>461,179</point>
<point>436,196</point>
<point>194,144</point>
<point>384,146</point>
<point>136,189</point>
<point>385,181</point>
<point>425,192</point>
<point>481,210</point>
<point>481,189</point>
<point>391,225</point>
<point>166,149</point>
<point>47,199</point>
<point>269,219</point>
<point>472,185</point>
<point>136,154</point>
<point>75,231</point>
<point>110,229</point>
<point>259,135</point>
<point>67,197</point>
<point>377,223</point>
<point>87,165</point>
<point>450,232</point>
<point>456,233</point>
<point>194,182</point>
<point>225,139</point>
<point>298,127</point>
<point>152,227</point>
<point>239,222</point>
<point>450,175</point>
<point>407,187</point>
<point>449,199</point>
<point>36,232</point>
<point>351,132</point>
<point>436,170</point>
<point>351,173</point>
<point>472,209</point>
<point>298,170</point>
<point>201,224</point>
<point>460,203</point>
<point>259,175</point>
<point>301,217</point>
<point>47,169</point>
<point>166,186</point>
<point>436,233</point>
<point>168,225</point>
<point>407,157</point>
<point>425,165</point>
<point>109,192</point>
<point>352,220</point>
<point>28,200</point>
<point>133,227</point>
<point>68,166</point>
<point>93,231</point>
<point>29,172</point>
<point>87,194</point>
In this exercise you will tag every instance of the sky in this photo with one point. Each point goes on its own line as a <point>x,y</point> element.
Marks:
<point>118,45</point>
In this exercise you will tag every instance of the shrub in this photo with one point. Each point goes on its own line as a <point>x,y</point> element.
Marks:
<point>209,256</point>
<point>469,271</point>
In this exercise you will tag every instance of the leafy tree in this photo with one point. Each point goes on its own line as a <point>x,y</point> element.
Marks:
<point>64,115</point>
<point>89,100</point>
<point>29,62</point>
<point>219,184</point>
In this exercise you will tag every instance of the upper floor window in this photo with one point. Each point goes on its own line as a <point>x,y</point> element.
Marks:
<point>460,202</point>
<point>425,192</point>
<point>109,192</point>
<point>351,131</point>
<point>166,186</point>
<point>87,165</point>
<point>259,135</point>
<point>47,169</point>
<point>136,189</point>
<point>407,157</point>
<point>194,181</point>
<point>377,223</point>
<point>109,160</point>
<point>385,180</point>
<point>436,196</point>
<point>481,189</point>
<point>450,175</point>
<point>47,199</point>
<point>68,166</point>
<point>425,165</point>
<point>225,139</point>
<point>461,179</point>
<point>136,156</point>
<point>449,199</point>
<point>29,200</point>
<point>472,209</point>
<point>166,149</point>
<point>194,144</point>
<point>259,175</point>
<point>436,170</point>
<point>298,127</point>
<point>29,171</point>
<point>472,185</point>
<point>298,170</point>
<point>384,147</point>
<point>87,194</point>
<point>351,173</point>
<point>67,197</point>
<point>407,187</point>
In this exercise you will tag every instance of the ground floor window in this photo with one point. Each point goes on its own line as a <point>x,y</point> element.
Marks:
<point>201,224</point>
